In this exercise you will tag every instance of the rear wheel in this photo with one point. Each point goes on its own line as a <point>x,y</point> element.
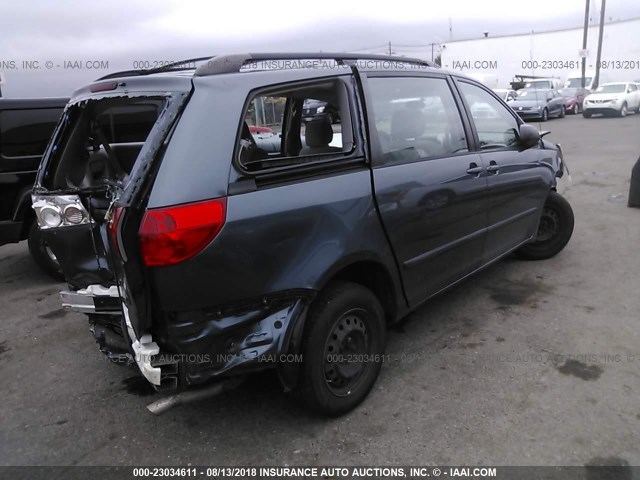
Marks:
<point>42,254</point>
<point>554,230</point>
<point>343,345</point>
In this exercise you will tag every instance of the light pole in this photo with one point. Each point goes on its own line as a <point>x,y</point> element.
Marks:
<point>584,43</point>
<point>596,78</point>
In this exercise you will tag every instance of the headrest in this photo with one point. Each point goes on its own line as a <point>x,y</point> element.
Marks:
<point>318,133</point>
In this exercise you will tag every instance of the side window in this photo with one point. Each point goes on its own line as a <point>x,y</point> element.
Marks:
<point>632,87</point>
<point>416,118</point>
<point>496,126</point>
<point>296,125</point>
<point>25,133</point>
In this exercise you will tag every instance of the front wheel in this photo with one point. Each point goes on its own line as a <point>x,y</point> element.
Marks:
<point>623,110</point>
<point>576,109</point>
<point>43,255</point>
<point>545,115</point>
<point>586,114</point>
<point>563,112</point>
<point>343,345</point>
<point>554,229</point>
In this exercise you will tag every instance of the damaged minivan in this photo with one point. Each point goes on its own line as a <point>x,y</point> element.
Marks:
<point>203,251</point>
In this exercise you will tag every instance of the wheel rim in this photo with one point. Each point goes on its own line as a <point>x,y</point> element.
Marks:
<point>576,109</point>
<point>544,114</point>
<point>549,225</point>
<point>623,110</point>
<point>344,353</point>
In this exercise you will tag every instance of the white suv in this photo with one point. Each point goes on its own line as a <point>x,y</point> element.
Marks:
<point>618,98</point>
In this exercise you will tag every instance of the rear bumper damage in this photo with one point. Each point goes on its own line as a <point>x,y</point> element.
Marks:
<point>234,342</point>
<point>95,299</point>
<point>197,347</point>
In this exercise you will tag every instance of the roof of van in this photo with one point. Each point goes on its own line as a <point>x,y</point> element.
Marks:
<point>248,62</point>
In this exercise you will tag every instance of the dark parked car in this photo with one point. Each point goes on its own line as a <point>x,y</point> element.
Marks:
<point>313,109</point>
<point>538,104</point>
<point>573,98</point>
<point>25,128</point>
<point>203,257</point>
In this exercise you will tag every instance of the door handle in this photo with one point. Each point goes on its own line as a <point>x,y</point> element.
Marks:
<point>493,167</point>
<point>474,169</point>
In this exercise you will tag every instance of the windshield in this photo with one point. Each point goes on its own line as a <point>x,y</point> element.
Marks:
<point>530,94</point>
<point>312,102</point>
<point>577,82</point>
<point>568,92</point>
<point>537,84</point>
<point>615,88</point>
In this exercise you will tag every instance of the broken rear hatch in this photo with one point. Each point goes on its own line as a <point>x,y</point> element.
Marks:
<point>100,160</point>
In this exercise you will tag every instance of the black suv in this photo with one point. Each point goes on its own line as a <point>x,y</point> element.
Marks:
<point>25,128</point>
<point>203,257</point>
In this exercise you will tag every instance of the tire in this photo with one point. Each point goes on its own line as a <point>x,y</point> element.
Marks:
<point>554,230</point>
<point>42,254</point>
<point>345,319</point>
<point>576,109</point>
<point>563,111</point>
<point>586,114</point>
<point>623,110</point>
<point>545,115</point>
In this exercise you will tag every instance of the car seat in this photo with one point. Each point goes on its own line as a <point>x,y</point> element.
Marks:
<point>318,135</point>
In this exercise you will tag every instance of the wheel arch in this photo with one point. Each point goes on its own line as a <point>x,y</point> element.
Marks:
<point>24,213</point>
<point>373,275</point>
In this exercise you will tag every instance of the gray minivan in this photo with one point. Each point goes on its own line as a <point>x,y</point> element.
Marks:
<point>201,256</point>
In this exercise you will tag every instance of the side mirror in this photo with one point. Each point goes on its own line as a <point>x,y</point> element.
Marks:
<point>528,136</point>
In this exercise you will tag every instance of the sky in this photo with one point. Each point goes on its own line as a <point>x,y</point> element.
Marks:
<point>125,34</point>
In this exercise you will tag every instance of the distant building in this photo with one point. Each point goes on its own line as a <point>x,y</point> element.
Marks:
<point>549,54</point>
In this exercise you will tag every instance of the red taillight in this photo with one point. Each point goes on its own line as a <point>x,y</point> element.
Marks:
<point>113,226</point>
<point>171,235</point>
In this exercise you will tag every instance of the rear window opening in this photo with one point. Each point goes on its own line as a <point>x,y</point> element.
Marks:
<point>296,125</point>
<point>99,142</point>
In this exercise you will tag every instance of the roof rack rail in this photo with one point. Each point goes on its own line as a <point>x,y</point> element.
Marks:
<point>234,63</point>
<point>173,66</point>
